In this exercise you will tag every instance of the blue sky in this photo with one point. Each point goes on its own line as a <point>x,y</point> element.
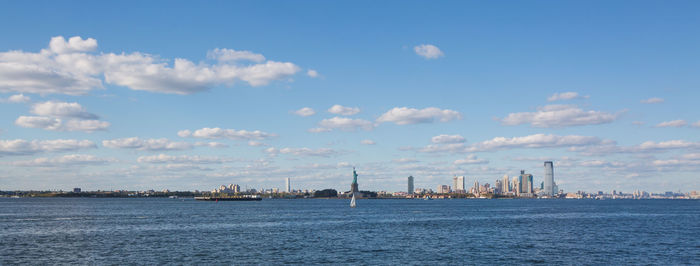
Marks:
<point>153,95</point>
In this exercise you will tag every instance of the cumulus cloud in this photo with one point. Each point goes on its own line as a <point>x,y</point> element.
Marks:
<point>305,111</point>
<point>343,110</point>
<point>445,147</point>
<point>66,160</point>
<point>312,73</point>
<point>17,98</point>
<point>321,152</point>
<point>405,160</point>
<point>58,124</point>
<point>220,133</point>
<point>319,130</point>
<point>146,144</point>
<point>448,139</point>
<point>534,141</point>
<point>696,124</point>
<point>255,143</point>
<point>69,67</point>
<point>342,123</point>
<point>471,159</point>
<point>59,45</point>
<point>230,55</point>
<point>182,159</point>
<point>609,147</point>
<point>210,144</point>
<point>61,116</point>
<point>428,51</point>
<point>406,116</point>
<point>368,142</point>
<point>553,116</point>
<point>652,100</point>
<point>673,123</point>
<point>570,95</point>
<point>61,109</point>
<point>25,147</point>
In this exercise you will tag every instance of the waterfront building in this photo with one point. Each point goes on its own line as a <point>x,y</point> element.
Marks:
<point>441,189</point>
<point>288,185</point>
<point>458,184</point>
<point>76,190</point>
<point>525,183</point>
<point>506,184</point>
<point>549,187</point>
<point>410,185</point>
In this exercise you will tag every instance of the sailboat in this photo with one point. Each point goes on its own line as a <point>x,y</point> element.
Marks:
<point>352,201</point>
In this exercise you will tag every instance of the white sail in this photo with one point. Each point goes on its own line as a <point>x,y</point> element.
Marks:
<point>352,201</point>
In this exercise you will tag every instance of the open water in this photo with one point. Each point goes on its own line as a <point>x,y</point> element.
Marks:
<point>315,231</point>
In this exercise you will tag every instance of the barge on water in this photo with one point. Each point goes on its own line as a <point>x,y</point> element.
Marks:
<point>236,198</point>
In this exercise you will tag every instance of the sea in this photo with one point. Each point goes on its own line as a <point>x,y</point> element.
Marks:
<point>161,231</point>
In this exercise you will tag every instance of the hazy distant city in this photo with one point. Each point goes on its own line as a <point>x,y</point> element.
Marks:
<point>521,186</point>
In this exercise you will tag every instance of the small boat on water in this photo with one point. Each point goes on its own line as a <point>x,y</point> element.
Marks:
<point>352,202</point>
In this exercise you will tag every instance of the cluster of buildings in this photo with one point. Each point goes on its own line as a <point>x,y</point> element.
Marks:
<point>519,186</point>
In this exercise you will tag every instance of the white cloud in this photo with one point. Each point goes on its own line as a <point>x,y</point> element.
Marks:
<point>343,110</point>
<point>406,116</point>
<point>24,147</point>
<point>59,44</point>
<point>405,160</point>
<point>368,142</point>
<point>146,144</point>
<point>220,133</point>
<point>652,100</point>
<point>321,152</point>
<point>66,160</point>
<point>696,124</point>
<point>553,116</point>
<point>17,98</point>
<point>230,55</point>
<point>182,159</point>
<point>305,111</point>
<point>673,123</point>
<point>319,130</point>
<point>312,73</point>
<point>342,123</point>
<point>255,143</point>
<point>609,147</point>
<point>471,159</point>
<point>58,124</point>
<point>61,116</point>
<point>69,68</point>
<point>445,147</point>
<point>61,109</point>
<point>210,144</point>
<point>534,141</point>
<point>448,139</point>
<point>570,95</point>
<point>428,51</point>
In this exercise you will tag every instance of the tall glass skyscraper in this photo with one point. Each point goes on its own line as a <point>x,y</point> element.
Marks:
<point>549,178</point>
<point>410,185</point>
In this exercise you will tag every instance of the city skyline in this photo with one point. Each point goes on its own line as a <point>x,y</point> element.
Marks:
<point>433,92</point>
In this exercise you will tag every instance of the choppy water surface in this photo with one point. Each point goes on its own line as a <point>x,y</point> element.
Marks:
<point>176,231</point>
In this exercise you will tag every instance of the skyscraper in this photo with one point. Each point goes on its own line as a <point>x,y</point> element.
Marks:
<point>524,182</point>
<point>458,184</point>
<point>549,178</point>
<point>288,186</point>
<point>505,184</point>
<point>410,185</point>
